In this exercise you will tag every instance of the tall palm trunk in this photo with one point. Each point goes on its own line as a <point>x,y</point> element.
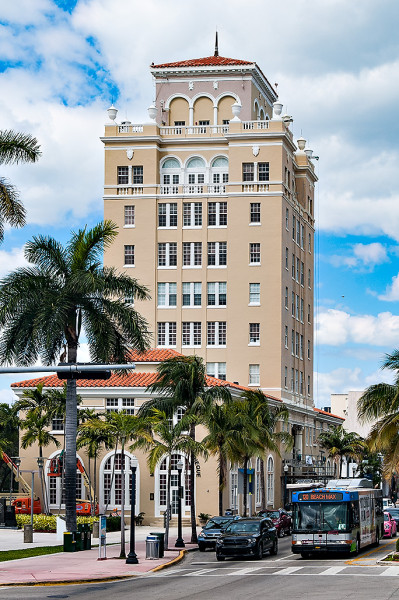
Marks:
<point>168,512</point>
<point>71,422</point>
<point>94,505</point>
<point>222,478</point>
<point>45,508</point>
<point>194,539</point>
<point>245,487</point>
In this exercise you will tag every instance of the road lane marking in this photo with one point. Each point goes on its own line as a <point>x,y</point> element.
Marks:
<point>200,572</point>
<point>390,572</point>
<point>246,570</point>
<point>332,570</point>
<point>287,571</point>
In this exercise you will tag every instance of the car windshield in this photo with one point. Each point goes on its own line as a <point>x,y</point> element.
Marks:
<point>217,524</point>
<point>273,514</point>
<point>386,517</point>
<point>394,512</point>
<point>321,516</point>
<point>243,527</point>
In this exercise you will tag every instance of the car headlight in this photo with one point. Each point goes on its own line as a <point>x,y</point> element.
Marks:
<point>219,542</point>
<point>252,541</point>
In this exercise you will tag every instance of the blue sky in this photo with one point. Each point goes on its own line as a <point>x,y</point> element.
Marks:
<point>62,63</point>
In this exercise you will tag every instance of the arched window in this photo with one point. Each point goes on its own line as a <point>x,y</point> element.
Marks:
<point>162,476</point>
<point>262,114</point>
<point>270,481</point>
<point>219,175</point>
<point>195,175</point>
<point>112,481</point>
<point>234,487</point>
<point>54,485</point>
<point>170,176</point>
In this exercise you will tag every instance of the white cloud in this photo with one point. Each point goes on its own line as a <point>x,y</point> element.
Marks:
<point>343,380</point>
<point>10,260</point>
<point>392,291</point>
<point>364,257</point>
<point>337,327</point>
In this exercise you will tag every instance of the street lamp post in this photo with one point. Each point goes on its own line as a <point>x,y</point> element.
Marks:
<point>286,467</point>
<point>179,542</point>
<point>132,556</point>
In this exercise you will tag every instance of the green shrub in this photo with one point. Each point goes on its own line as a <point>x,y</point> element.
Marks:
<point>113,523</point>
<point>40,522</point>
<point>397,545</point>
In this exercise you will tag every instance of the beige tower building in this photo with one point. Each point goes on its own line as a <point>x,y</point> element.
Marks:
<point>214,203</point>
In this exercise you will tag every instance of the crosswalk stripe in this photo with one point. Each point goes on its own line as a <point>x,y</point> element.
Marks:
<point>332,571</point>
<point>199,573</point>
<point>390,571</point>
<point>246,570</point>
<point>287,571</point>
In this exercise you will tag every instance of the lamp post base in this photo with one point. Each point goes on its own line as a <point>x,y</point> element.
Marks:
<point>132,559</point>
<point>180,543</point>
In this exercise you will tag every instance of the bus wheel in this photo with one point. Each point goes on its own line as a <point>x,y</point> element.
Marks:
<point>306,554</point>
<point>377,538</point>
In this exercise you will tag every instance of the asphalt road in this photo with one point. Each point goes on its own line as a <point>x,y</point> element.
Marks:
<point>285,576</point>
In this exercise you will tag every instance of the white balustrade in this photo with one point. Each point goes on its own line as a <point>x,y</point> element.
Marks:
<point>169,189</point>
<point>129,190</point>
<point>255,125</point>
<point>216,189</point>
<point>193,189</point>
<point>130,128</point>
<point>194,130</point>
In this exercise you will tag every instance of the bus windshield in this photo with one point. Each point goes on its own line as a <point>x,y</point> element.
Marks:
<point>321,516</point>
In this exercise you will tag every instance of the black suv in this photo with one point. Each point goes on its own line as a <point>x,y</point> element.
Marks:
<point>247,537</point>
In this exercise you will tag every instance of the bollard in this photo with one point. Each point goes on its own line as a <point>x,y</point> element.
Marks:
<point>69,542</point>
<point>28,534</point>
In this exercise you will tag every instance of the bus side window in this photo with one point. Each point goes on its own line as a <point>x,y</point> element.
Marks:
<point>354,508</point>
<point>379,508</point>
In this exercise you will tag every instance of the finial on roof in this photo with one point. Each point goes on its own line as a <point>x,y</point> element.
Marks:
<point>216,45</point>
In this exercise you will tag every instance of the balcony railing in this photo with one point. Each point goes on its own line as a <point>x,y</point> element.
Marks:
<point>188,130</point>
<point>129,190</point>
<point>169,189</point>
<point>255,187</point>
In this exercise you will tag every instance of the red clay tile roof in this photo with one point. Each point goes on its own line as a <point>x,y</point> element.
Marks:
<point>132,380</point>
<point>153,355</point>
<point>324,412</point>
<point>208,61</point>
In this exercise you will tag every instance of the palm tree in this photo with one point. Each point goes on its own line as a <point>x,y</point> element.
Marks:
<point>44,307</point>
<point>14,148</point>
<point>224,430</point>
<point>36,425</point>
<point>181,383</point>
<point>257,433</point>
<point>340,443</point>
<point>9,441</point>
<point>169,439</point>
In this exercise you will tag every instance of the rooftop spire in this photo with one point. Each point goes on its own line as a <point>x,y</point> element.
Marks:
<point>216,45</point>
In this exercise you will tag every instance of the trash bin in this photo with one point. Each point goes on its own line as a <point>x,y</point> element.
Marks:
<point>69,542</point>
<point>78,538</point>
<point>161,537</point>
<point>96,526</point>
<point>152,547</point>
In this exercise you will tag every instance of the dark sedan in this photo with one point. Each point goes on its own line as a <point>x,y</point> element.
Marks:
<point>281,520</point>
<point>211,531</point>
<point>247,537</point>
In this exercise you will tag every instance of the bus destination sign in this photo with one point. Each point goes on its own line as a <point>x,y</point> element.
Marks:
<point>314,496</point>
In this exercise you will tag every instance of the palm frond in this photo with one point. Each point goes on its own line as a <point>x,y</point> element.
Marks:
<point>18,147</point>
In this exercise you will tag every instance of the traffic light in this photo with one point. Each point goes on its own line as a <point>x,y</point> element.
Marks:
<point>83,373</point>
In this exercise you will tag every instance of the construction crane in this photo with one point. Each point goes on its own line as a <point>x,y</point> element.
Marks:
<point>22,504</point>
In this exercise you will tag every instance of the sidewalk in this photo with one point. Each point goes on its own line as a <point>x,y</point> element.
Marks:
<point>68,567</point>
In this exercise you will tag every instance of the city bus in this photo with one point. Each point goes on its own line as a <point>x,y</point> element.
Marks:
<point>345,516</point>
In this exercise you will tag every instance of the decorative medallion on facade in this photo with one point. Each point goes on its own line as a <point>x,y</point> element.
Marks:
<point>129,154</point>
<point>255,150</point>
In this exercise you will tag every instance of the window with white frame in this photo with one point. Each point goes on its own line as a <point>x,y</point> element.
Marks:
<point>217,254</point>
<point>112,480</point>
<point>286,377</point>
<point>170,176</point>
<point>254,375</point>
<point>309,278</point>
<point>191,333</point>
<point>301,317</point>
<point>263,171</point>
<point>309,315</point>
<point>286,298</point>
<point>254,334</point>
<point>217,214</point>
<point>308,385</point>
<point>167,295</point>
<point>286,258</point>
<point>167,254</point>
<point>129,215</point>
<point>123,175</point>
<point>270,481</point>
<point>138,175</point>
<point>254,212</point>
<point>192,214</point>
<point>254,253</point>
<point>167,334</point>
<point>310,243</point>
<point>126,405</point>
<point>248,172</point>
<point>57,423</point>
<point>293,267</point>
<point>216,369</point>
<point>287,217</point>
<point>217,293</point>
<point>191,295</point>
<point>192,254</point>
<point>308,351</point>
<point>293,227</point>
<point>292,342</point>
<point>286,336</point>
<point>129,255</point>
<point>216,333</point>
<point>195,175</point>
<point>254,294</point>
<point>301,347</point>
<point>167,214</point>
<point>219,175</point>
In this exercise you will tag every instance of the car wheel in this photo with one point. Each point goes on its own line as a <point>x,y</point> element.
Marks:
<point>357,546</point>
<point>218,557</point>
<point>201,546</point>
<point>280,533</point>
<point>274,548</point>
<point>259,552</point>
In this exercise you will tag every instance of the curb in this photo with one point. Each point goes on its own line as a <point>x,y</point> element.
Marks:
<point>174,561</point>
